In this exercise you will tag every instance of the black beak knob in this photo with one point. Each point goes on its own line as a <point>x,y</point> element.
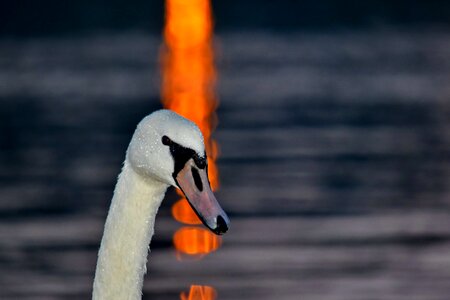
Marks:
<point>221,227</point>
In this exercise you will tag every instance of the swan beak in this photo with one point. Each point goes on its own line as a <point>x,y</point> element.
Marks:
<point>194,183</point>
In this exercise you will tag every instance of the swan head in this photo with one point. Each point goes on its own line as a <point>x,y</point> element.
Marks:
<point>169,148</point>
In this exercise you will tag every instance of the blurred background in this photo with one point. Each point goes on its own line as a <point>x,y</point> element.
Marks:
<point>333,124</point>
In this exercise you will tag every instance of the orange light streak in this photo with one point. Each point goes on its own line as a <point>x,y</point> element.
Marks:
<point>195,241</point>
<point>199,292</point>
<point>188,82</point>
<point>189,75</point>
<point>183,213</point>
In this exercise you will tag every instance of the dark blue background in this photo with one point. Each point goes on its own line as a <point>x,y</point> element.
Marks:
<point>50,17</point>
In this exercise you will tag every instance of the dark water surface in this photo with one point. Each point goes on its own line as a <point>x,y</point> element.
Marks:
<point>335,164</point>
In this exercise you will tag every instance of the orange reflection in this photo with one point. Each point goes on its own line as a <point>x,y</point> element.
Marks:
<point>195,241</point>
<point>199,292</point>
<point>182,212</point>
<point>188,82</point>
<point>189,74</point>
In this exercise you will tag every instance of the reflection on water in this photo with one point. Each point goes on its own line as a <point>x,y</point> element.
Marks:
<point>188,89</point>
<point>189,73</point>
<point>195,241</point>
<point>183,213</point>
<point>199,292</point>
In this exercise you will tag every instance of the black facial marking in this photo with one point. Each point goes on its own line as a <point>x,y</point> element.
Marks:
<point>181,155</point>
<point>197,179</point>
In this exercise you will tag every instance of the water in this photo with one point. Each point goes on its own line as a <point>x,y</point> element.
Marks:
<point>334,164</point>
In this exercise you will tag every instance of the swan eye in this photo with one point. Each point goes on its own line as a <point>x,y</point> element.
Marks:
<point>166,140</point>
<point>200,161</point>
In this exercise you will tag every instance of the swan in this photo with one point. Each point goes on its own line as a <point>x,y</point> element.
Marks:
<point>165,150</point>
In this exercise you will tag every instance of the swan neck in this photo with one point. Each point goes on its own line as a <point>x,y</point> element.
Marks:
<point>128,230</point>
